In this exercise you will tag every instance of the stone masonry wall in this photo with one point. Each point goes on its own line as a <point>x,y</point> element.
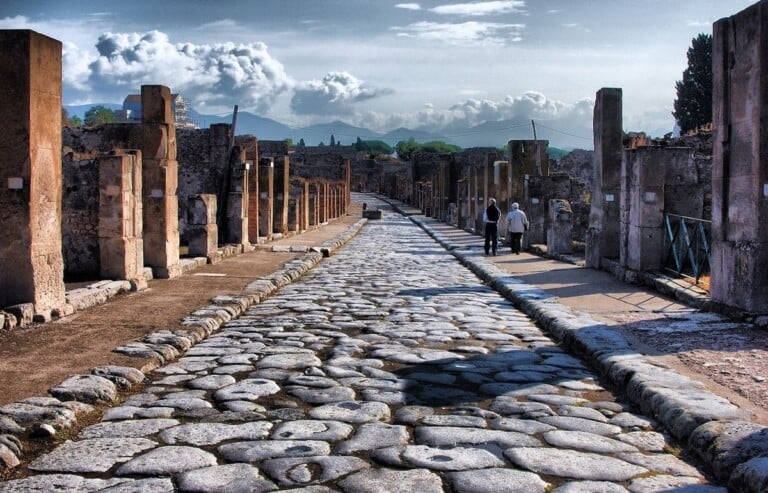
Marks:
<point>80,216</point>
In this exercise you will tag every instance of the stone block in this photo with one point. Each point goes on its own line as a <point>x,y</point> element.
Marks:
<point>739,268</point>
<point>644,248</point>
<point>23,312</point>
<point>203,239</point>
<point>372,214</point>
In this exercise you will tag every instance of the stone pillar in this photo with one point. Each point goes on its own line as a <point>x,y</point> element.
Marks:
<point>31,261</point>
<point>501,177</point>
<point>282,188</point>
<point>121,244</point>
<point>237,200</point>
<point>203,231</point>
<point>305,205</point>
<point>159,182</point>
<point>602,238</point>
<point>740,160</point>
<point>560,230</point>
<point>322,188</point>
<point>645,196</point>
<point>266,193</point>
<point>253,201</point>
<point>314,203</point>
<point>348,185</point>
<point>525,158</point>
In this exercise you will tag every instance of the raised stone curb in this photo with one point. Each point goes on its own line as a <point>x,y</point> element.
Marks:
<point>102,384</point>
<point>704,422</point>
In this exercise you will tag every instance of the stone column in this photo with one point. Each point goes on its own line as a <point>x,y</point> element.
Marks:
<point>314,203</point>
<point>203,231</point>
<point>602,239</point>
<point>560,230</point>
<point>322,188</point>
<point>645,179</point>
<point>501,177</point>
<point>253,201</point>
<point>31,262</point>
<point>266,193</point>
<point>740,160</point>
<point>282,194</point>
<point>348,185</point>
<point>121,244</point>
<point>305,205</point>
<point>237,208</point>
<point>523,161</point>
<point>159,182</point>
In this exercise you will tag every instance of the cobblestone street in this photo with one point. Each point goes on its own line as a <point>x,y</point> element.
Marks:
<point>388,367</point>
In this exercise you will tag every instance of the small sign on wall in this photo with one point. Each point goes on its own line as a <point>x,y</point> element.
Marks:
<point>609,197</point>
<point>765,189</point>
<point>156,193</point>
<point>534,201</point>
<point>649,197</point>
<point>15,183</point>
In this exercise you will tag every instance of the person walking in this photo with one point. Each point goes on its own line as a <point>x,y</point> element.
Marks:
<point>491,218</point>
<point>517,224</point>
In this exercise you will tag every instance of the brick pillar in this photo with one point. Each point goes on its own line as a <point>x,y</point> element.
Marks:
<point>121,244</point>
<point>501,177</point>
<point>266,193</point>
<point>602,238</point>
<point>237,201</point>
<point>740,160</point>
<point>159,182</point>
<point>31,262</point>
<point>203,231</point>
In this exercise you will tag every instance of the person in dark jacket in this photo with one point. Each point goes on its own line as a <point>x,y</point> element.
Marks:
<point>491,219</point>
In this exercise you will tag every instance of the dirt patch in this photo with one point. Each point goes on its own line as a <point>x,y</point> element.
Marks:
<point>36,358</point>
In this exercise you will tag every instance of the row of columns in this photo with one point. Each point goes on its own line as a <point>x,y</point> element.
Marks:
<point>138,204</point>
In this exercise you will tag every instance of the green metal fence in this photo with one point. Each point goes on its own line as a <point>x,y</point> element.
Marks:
<point>687,247</point>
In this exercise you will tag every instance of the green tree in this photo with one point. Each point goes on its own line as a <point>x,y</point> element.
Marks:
<point>99,115</point>
<point>333,141</point>
<point>693,106</point>
<point>439,146</point>
<point>405,148</point>
<point>288,142</point>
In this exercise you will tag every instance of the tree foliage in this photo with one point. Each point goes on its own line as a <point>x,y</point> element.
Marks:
<point>693,106</point>
<point>373,147</point>
<point>99,115</point>
<point>405,148</point>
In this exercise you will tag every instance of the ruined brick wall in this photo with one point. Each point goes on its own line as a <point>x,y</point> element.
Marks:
<point>80,216</point>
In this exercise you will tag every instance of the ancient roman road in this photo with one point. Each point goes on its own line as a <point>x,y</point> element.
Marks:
<point>388,367</point>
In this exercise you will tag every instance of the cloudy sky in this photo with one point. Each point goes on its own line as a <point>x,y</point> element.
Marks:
<point>383,64</point>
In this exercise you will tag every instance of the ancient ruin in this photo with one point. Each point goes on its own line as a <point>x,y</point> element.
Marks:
<point>131,201</point>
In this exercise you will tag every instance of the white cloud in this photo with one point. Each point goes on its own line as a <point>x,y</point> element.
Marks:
<point>335,94</point>
<point>481,8</point>
<point>213,76</point>
<point>408,6</point>
<point>466,34</point>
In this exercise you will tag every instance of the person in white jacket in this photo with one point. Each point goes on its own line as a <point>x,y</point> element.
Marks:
<point>517,224</point>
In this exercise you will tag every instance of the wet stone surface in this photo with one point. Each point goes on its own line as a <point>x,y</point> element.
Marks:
<point>388,367</point>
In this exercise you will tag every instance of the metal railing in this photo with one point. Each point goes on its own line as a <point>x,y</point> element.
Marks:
<point>687,246</point>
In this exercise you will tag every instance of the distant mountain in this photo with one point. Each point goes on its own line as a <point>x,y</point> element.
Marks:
<point>489,134</point>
